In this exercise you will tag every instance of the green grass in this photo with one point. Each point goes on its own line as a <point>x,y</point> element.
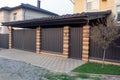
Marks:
<point>95,78</point>
<point>96,68</point>
<point>86,76</point>
<point>83,76</point>
<point>57,76</point>
<point>64,76</point>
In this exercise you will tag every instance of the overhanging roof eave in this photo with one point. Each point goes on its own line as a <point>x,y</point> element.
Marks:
<point>49,22</point>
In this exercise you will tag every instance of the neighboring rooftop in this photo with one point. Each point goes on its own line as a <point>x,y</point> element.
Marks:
<point>28,6</point>
<point>5,8</point>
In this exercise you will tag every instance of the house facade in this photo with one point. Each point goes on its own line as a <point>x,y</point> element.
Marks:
<point>21,12</point>
<point>98,5</point>
<point>95,53</point>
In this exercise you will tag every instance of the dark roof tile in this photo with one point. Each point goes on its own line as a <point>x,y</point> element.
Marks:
<point>5,8</point>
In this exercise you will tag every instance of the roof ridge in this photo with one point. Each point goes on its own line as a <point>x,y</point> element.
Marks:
<point>29,6</point>
<point>36,8</point>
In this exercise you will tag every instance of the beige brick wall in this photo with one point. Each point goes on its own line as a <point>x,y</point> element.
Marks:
<point>38,40</point>
<point>66,41</point>
<point>10,37</point>
<point>85,51</point>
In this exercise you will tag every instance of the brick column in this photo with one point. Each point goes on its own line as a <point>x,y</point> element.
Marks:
<point>10,37</point>
<point>38,40</point>
<point>85,51</point>
<point>66,41</point>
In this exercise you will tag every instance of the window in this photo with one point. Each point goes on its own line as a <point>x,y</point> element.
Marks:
<point>89,5</point>
<point>118,12</point>
<point>14,16</point>
<point>92,5</point>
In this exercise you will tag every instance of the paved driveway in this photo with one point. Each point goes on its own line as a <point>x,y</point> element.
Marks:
<point>53,63</point>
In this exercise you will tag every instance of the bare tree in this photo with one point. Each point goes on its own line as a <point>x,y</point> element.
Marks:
<point>104,35</point>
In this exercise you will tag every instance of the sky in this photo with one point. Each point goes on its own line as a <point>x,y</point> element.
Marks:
<point>57,6</point>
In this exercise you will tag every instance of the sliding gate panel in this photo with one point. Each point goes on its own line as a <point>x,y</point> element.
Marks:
<point>24,39</point>
<point>52,39</point>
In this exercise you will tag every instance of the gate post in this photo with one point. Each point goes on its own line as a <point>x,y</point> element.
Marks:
<point>66,41</point>
<point>10,37</point>
<point>38,40</point>
<point>85,50</point>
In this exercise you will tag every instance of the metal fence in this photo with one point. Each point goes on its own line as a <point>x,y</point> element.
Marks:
<point>112,53</point>
<point>4,40</point>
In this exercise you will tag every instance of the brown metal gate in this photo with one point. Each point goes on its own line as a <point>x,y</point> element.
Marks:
<point>24,39</point>
<point>52,39</point>
<point>75,49</point>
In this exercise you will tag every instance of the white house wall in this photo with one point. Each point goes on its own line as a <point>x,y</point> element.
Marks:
<point>30,14</point>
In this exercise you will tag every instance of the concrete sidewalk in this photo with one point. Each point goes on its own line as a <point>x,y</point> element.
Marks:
<point>53,63</point>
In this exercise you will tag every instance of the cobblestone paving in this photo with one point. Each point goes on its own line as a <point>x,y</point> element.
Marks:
<point>17,70</point>
<point>53,63</point>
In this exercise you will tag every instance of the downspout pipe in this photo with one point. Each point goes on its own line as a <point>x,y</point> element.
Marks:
<point>24,14</point>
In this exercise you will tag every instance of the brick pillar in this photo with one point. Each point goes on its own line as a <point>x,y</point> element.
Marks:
<point>85,51</point>
<point>10,37</point>
<point>66,41</point>
<point>38,40</point>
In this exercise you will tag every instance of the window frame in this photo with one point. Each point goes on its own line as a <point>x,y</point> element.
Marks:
<point>14,16</point>
<point>86,7</point>
<point>116,12</point>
